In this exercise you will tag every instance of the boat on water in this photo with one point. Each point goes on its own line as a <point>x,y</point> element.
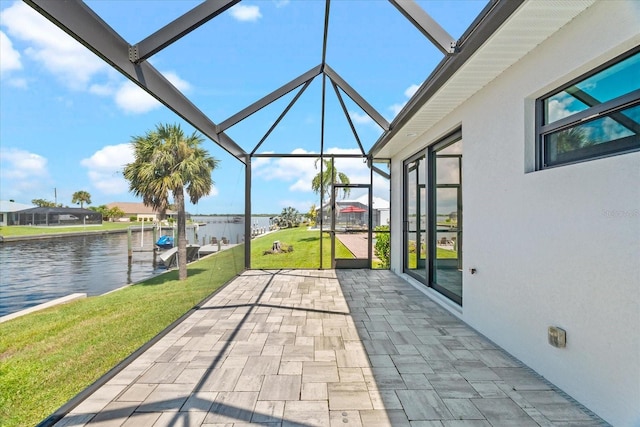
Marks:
<point>165,242</point>
<point>169,258</point>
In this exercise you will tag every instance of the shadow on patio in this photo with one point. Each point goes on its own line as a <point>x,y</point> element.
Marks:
<point>321,348</point>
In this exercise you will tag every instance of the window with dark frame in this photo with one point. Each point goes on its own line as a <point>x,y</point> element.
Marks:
<point>594,116</point>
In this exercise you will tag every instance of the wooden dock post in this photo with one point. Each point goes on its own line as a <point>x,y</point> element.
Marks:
<point>129,246</point>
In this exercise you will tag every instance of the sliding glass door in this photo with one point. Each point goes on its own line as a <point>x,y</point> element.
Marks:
<point>433,217</point>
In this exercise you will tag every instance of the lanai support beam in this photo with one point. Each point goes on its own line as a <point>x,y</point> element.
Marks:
<point>273,96</point>
<point>426,25</point>
<point>355,96</point>
<point>180,27</point>
<point>80,22</point>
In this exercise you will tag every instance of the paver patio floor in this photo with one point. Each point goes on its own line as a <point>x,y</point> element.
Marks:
<point>325,348</point>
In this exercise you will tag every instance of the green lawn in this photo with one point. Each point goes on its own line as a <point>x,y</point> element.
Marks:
<point>47,357</point>
<point>306,250</point>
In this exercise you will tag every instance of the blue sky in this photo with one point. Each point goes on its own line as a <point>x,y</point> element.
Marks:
<point>66,118</point>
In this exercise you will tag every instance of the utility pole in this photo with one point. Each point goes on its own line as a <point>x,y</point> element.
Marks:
<point>55,196</point>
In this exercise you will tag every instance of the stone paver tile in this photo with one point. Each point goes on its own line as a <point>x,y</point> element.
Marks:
<point>324,356</point>
<point>503,412</point>
<point>281,338</point>
<point>435,351</point>
<point>328,343</point>
<point>191,376</point>
<point>349,398</point>
<point>554,406</point>
<point>75,420</point>
<point>249,383</point>
<point>384,399</point>
<point>319,372</point>
<point>307,413</point>
<point>406,349</point>
<point>114,414</point>
<point>496,359</point>
<point>163,373</point>
<point>452,386</point>
<point>521,379</point>
<point>463,409</point>
<point>475,371</point>
<point>108,392</point>
<point>466,423</point>
<point>142,419</point>
<point>290,368</point>
<point>314,391</point>
<point>298,353</point>
<point>423,405</point>
<point>246,349</point>
<point>352,358</point>
<point>487,389</point>
<point>403,338</point>
<point>280,387</point>
<point>136,393</point>
<point>261,365</point>
<point>234,362</point>
<point>381,361</point>
<point>232,407</point>
<point>416,382</point>
<point>380,346</point>
<point>384,378</point>
<point>345,418</point>
<point>223,379</point>
<point>384,418</point>
<point>166,397</point>
<point>426,424</point>
<point>180,419</point>
<point>349,375</point>
<point>199,401</point>
<point>411,364</point>
<point>350,334</point>
<point>272,350</point>
<point>304,340</point>
<point>268,411</point>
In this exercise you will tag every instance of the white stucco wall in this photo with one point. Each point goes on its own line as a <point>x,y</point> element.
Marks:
<point>556,247</point>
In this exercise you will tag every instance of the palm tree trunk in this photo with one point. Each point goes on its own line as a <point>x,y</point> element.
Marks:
<point>178,197</point>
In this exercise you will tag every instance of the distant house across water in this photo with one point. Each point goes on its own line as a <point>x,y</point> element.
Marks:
<point>58,216</point>
<point>139,211</point>
<point>9,212</point>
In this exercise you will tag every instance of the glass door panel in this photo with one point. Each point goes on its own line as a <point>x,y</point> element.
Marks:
<point>416,253</point>
<point>446,270</point>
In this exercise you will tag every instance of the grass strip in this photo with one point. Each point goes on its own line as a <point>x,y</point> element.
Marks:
<point>306,250</point>
<point>48,357</point>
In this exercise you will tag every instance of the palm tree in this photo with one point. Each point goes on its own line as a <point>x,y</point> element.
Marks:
<point>169,162</point>
<point>323,180</point>
<point>81,197</point>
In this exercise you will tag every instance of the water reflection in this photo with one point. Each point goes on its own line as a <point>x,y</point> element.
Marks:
<point>37,271</point>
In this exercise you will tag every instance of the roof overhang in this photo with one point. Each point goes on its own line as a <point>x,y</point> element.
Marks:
<point>504,33</point>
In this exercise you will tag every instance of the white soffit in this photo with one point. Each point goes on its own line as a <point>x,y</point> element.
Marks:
<point>530,25</point>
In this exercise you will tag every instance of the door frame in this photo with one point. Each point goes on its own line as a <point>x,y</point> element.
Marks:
<point>342,263</point>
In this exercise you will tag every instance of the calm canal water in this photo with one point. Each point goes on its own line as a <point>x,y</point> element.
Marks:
<point>37,271</point>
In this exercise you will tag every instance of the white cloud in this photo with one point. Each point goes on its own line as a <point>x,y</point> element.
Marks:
<point>61,55</point>
<point>131,99</point>
<point>10,56</point>
<point>245,13</point>
<point>411,90</point>
<point>408,92</point>
<point>22,173</point>
<point>361,119</point>
<point>105,168</point>
<point>74,65</point>
<point>281,3</point>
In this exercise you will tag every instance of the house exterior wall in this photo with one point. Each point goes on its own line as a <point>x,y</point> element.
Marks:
<point>557,247</point>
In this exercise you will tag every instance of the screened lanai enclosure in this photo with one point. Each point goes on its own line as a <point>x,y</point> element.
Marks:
<point>327,111</point>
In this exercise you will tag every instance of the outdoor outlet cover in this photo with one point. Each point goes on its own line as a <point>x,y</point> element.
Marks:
<point>557,337</point>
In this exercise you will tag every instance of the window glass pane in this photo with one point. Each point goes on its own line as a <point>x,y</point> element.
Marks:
<point>618,131</point>
<point>448,170</point>
<point>617,80</point>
